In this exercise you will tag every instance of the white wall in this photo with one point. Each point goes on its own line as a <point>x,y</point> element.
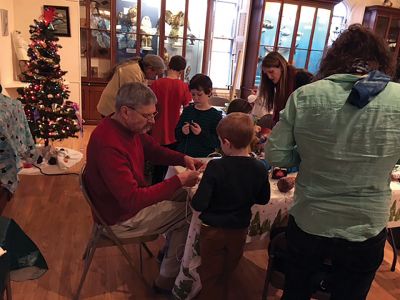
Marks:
<point>21,14</point>
<point>6,66</point>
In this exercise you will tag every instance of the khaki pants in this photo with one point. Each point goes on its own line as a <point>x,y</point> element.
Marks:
<point>171,217</point>
<point>220,250</point>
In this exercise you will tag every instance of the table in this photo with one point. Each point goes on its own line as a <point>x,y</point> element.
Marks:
<point>264,217</point>
<point>62,167</point>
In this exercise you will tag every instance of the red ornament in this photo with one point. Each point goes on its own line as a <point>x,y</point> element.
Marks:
<point>48,15</point>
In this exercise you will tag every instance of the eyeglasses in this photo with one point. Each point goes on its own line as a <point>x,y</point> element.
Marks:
<point>146,116</point>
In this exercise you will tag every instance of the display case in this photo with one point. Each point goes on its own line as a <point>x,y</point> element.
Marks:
<point>298,30</point>
<point>385,21</point>
<point>115,30</point>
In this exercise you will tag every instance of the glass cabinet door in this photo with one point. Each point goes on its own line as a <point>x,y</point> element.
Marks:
<point>286,30</point>
<point>268,34</point>
<point>149,33</point>
<point>99,37</point>
<point>303,36</point>
<point>174,26</point>
<point>319,39</point>
<point>125,29</point>
<point>393,34</point>
<point>382,24</point>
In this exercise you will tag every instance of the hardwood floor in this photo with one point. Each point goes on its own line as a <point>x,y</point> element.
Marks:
<point>52,211</point>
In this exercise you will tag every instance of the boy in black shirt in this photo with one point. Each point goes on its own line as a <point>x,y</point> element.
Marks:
<point>229,188</point>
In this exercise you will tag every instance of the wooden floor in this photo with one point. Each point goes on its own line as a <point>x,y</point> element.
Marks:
<point>52,211</point>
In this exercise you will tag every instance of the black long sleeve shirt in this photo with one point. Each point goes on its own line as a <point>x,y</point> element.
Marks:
<point>229,188</point>
<point>207,141</point>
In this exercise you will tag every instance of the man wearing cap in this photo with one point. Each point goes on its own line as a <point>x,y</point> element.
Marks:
<point>134,70</point>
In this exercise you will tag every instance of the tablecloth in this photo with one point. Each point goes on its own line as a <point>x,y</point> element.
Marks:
<point>264,217</point>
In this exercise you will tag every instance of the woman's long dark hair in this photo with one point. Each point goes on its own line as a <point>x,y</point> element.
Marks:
<point>354,45</point>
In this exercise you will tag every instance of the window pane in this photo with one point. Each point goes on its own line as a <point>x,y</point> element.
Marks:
<point>100,15</point>
<point>100,54</point>
<point>126,12</point>
<point>220,69</point>
<point>303,35</point>
<point>300,57</point>
<point>315,59</point>
<point>338,22</point>
<point>270,23</point>
<point>321,29</point>
<point>174,46</point>
<point>84,53</point>
<point>150,14</point>
<point>393,34</point>
<point>194,58</point>
<point>224,19</point>
<point>305,27</point>
<point>381,26</point>
<point>126,46</point>
<point>174,22</point>
<point>149,44</point>
<point>287,25</point>
<point>284,52</point>
<point>197,19</point>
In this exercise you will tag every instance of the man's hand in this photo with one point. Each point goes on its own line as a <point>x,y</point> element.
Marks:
<point>189,178</point>
<point>192,163</point>
<point>195,128</point>
<point>186,129</point>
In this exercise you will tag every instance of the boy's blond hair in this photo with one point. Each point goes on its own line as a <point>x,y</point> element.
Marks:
<point>237,128</point>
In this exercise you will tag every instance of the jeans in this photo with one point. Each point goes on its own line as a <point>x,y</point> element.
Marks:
<point>354,264</point>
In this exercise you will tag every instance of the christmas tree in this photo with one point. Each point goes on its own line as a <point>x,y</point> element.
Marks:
<point>50,115</point>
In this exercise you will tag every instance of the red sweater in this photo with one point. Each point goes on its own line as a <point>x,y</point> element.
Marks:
<point>171,95</point>
<point>115,171</point>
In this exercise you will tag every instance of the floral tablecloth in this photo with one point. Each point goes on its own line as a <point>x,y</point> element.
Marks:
<point>264,217</point>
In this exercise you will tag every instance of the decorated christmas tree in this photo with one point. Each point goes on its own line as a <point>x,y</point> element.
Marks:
<point>50,115</point>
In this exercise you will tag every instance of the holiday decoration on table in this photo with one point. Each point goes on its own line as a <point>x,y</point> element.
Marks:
<point>50,115</point>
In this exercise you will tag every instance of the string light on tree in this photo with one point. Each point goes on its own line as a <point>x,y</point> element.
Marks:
<point>50,115</point>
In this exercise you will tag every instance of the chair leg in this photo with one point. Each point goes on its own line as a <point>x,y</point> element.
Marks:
<point>90,243</point>
<point>149,253</point>
<point>393,244</point>
<point>87,262</point>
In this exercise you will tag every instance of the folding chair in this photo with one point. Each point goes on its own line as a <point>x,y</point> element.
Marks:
<point>275,269</point>
<point>102,236</point>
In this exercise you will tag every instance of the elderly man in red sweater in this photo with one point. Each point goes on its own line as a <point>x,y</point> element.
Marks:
<point>116,153</point>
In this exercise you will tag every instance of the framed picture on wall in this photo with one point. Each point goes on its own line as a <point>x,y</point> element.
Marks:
<point>61,21</point>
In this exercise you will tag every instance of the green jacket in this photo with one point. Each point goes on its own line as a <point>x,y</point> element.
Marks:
<point>345,156</point>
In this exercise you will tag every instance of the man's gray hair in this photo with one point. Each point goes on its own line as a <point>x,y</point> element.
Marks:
<point>154,61</point>
<point>134,95</point>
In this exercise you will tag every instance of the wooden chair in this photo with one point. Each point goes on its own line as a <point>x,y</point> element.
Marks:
<point>103,236</point>
<point>275,275</point>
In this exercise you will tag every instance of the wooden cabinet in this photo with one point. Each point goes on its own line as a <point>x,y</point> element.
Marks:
<point>385,21</point>
<point>116,30</point>
<point>91,94</point>
<point>299,30</point>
